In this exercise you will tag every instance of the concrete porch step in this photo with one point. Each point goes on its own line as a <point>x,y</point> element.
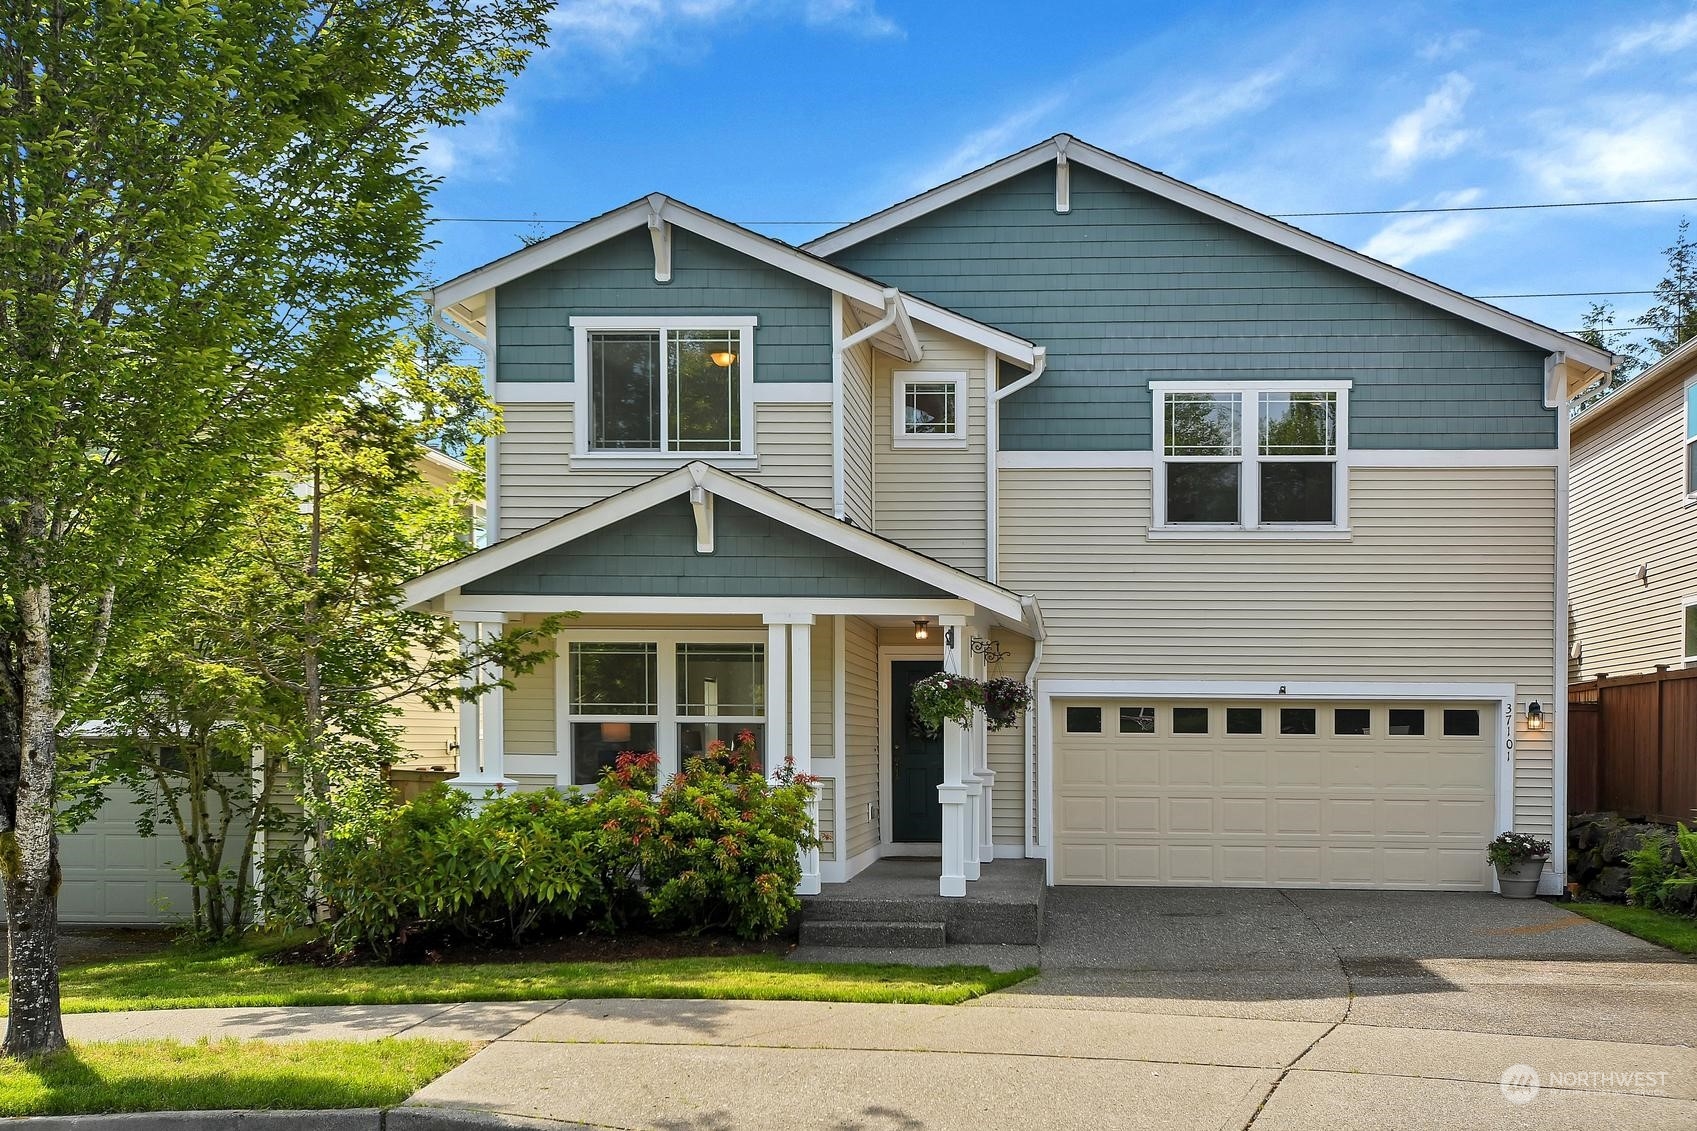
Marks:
<point>873,933</point>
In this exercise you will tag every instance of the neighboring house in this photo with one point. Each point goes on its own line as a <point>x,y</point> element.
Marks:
<point>1274,529</point>
<point>1632,552</point>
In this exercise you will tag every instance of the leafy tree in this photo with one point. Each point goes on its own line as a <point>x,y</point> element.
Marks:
<point>1670,322</point>
<point>292,644</point>
<point>211,212</point>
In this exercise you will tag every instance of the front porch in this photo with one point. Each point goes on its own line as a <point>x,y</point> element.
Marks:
<point>895,903</point>
<point>709,606</point>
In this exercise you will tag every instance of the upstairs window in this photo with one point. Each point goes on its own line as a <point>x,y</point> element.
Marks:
<point>1691,441</point>
<point>664,390</point>
<point>930,410</point>
<point>1250,457</point>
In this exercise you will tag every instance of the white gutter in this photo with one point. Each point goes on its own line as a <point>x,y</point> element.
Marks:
<point>1041,353</point>
<point>892,311</point>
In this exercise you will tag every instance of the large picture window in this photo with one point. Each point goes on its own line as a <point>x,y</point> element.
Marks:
<point>664,390</point>
<point>1250,457</point>
<point>721,692</point>
<point>613,703</point>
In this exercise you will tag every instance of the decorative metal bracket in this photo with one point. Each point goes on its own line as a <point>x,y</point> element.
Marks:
<point>991,650</point>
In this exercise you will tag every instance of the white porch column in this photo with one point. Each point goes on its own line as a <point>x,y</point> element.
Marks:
<point>982,771</point>
<point>801,734</point>
<point>952,794</point>
<point>777,691</point>
<point>482,737</point>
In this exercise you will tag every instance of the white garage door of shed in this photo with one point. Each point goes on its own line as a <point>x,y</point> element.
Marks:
<point>1358,795</point>
<point>115,875</point>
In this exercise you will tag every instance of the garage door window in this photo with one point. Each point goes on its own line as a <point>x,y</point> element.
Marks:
<point>1461,724</point>
<point>1352,720</point>
<point>1243,720</point>
<point>1190,720</point>
<point>1251,456</point>
<point>1084,720</point>
<point>1297,720</point>
<point>1137,720</point>
<point>1408,721</point>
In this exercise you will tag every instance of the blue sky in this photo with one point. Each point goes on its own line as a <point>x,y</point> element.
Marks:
<point>826,110</point>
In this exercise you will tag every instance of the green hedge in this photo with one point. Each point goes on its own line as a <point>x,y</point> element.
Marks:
<point>714,849</point>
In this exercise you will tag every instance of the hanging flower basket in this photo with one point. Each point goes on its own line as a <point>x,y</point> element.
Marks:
<point>1004,699</point>
<point>942,698</point>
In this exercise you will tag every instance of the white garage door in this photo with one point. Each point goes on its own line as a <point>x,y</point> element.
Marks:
<point>1392,795</point>
<point>114,875</point>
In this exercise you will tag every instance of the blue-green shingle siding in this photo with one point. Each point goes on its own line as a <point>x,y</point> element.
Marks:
<point>533,334</point>
<point>1130,287</point>
<point>653,554</point>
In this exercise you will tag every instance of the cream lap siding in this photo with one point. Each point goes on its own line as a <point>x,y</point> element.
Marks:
<point>426,733</point>
<point>826,789</point>
<point>860,759</point>
<point>1449,577</point>
<point>530,711</point>
<point>858,433</point>
<point>1007,752</point>
<point>824,683</point>
<point>538,482</point>
<point>933,499</point>
<point>1628,512</point>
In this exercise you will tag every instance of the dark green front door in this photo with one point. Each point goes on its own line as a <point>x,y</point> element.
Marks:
<point>916,760</point>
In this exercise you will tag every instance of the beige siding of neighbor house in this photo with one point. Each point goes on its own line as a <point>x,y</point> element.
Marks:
<point>538,482</point>
<point>1448,577</point>
<point>1006,749</point>
<point>933,499</point>
<point>859,459</point>
<point>1628,513</point>
<point>860,759</point>
<point>827,789</point>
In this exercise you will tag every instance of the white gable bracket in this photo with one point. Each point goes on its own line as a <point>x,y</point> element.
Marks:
<point>701,502</point>
<point>1063,175</point>
<point>1555,380</point>
<point>660,232</point>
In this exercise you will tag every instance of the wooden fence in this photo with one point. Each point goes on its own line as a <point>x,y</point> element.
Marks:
<point>1632,745</point>
<point>408,784</point>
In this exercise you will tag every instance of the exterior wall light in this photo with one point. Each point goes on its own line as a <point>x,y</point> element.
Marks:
<point>922,629</point>
<point>1534,715</point>
<point>724,359</point>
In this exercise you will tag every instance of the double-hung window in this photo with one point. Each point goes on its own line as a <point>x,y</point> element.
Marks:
<point>1691,441</point>
<point>664,388</point>
<point>613,703</point>
<point>1255,456</point>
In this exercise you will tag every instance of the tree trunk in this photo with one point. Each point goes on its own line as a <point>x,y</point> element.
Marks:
<point>31,859</point>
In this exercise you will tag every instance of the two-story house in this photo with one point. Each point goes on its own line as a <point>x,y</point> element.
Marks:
<point>1274,529</point>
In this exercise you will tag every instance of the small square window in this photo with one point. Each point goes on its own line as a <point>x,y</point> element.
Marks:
<point>1084,720</point>
<point>1461,724</point>
<point>1243,720</point>
<point>1298,720</point>
<point>1352,720</point>
<point>930,408</point>
<point>1408,721</point>
<point>1190,720</point>
<point>1137,720</point>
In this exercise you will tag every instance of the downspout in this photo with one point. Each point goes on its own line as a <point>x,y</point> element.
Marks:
<point>892,311</point>
<point>1041,354</point>
<point>1034,617</point>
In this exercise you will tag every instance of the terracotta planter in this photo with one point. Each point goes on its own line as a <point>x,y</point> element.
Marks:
<point>1520,881</point>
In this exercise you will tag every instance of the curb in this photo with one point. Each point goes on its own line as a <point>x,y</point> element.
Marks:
<point>348,1119</point>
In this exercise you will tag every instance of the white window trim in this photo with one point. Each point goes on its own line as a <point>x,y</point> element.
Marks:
<point>1249,486</point>
<point>665,681</point>
<point>582,327</point>
<point>1689,440</point>
<point>1687,657</point>
<point>899,382</point>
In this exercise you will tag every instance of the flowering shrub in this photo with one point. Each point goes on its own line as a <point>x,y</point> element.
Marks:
<point>714,849</point>
<point>1510,849</point>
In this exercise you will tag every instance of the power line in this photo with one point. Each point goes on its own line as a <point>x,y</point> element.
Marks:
<point>1566,294</point>
<point>1275,215</point>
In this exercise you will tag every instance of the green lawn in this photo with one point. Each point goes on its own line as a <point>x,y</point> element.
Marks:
<point>1676,932</point>
<point>178,979</point>
<point>167,1076</point>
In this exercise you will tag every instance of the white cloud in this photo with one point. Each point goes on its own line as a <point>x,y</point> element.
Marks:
<point>482,147</point>
<point>1631,147</point>
<point>1448,45</point>
<point>1200,107</point>
<point>631,32</point>
<point>993,142</point>
<point>857,17</point>
<point>1408,238</point>
<point>1663,37</point>
<point>1430,130</point>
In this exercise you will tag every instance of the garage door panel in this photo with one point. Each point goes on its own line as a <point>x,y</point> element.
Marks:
<point>1305,808</point>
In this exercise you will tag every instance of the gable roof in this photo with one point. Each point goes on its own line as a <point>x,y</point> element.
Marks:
<point>464,295</point>
<point>1679,363</point>
<point>1011,607</point>
<point>1589,361</point>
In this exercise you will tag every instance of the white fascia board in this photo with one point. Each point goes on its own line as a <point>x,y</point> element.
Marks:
<point>512,551</point>
<point>1011,346</point>
<point>777,607</point>
<point>1224,210</point>
<point>1291,690</point>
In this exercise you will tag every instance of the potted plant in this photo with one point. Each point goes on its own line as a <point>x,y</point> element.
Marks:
<point>1519,861</point>
<point>942,698</point>
<point>1004,699</point>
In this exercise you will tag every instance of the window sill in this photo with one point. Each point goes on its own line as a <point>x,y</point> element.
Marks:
<point>946,443</point>
<point>1239,534</point>
<point>664,461</point>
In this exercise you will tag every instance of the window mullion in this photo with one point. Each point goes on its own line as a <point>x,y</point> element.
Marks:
<point>665,390</point>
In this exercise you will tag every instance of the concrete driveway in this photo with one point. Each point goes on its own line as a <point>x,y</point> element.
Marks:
<point>1166,1008</point>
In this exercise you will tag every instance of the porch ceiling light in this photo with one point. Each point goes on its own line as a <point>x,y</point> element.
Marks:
<point>615,732</point>
<point>921,628</point>
<point>1535,715</point>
